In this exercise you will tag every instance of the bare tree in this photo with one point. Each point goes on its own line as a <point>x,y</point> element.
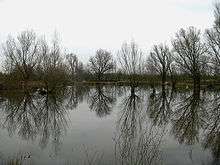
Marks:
<point>213,40</point>
<point>21,54</point>
<point>52,69</point>
<point>160,60</point>
<point>72,61</point>
<point>190,53</point>
<point>74,66</point>
<point>130,59</point>
<point>101,63</point>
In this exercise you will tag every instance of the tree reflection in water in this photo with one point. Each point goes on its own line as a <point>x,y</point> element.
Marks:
<point>101,100</point>
<point>211,139</point>
<point>136,142</point>
<point>20,115</point>
<point>188,115</point>
<point>188,118</point>
<point>159,106</point>
<point>75,95</point>
<point>51,119</point>
<point>30,115</point>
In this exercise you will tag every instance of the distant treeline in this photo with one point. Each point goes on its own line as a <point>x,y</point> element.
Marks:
<point>192,58</point>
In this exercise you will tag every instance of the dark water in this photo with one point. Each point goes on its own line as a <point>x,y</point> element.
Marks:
<point>110,126</point>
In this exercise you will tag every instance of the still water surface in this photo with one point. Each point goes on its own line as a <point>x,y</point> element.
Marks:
<point>110,125</point>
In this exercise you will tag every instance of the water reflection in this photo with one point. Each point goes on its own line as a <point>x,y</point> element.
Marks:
<point>136,142</point>
<point>131,114</point>
<point>101,100</point>
<point>188,118</point>
<point>75,95</point>
<point>20,112</point>
<point>51,120</point>
<point>188,114</point>
<point>31,115</point>
<point>159,105</point>
<point>146,118</point>
<point>211,139</point>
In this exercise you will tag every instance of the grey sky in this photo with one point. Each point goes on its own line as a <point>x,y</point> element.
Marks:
<point>85,25</point>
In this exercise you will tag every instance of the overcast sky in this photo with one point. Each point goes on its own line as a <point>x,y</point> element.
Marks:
<point>86,25</point>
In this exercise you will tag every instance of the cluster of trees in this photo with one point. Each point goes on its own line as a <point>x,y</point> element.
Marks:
<point>28,58</point>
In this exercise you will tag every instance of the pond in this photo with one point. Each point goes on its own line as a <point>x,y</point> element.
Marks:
<point>110,125</point>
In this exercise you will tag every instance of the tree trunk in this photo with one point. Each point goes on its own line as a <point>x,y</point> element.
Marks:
<point>196,83</point>
<point>132,90</point>
<point>99,77</point>
<point>164,78</point>
<point>173,81</point>
<point>163,87</point>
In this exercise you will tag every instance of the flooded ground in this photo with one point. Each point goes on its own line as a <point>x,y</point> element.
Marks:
<point>111,125</point>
